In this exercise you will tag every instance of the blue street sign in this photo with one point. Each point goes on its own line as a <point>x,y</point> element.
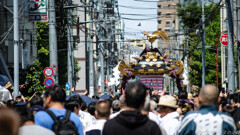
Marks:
<point>49,82</point>
<point>67,86</point>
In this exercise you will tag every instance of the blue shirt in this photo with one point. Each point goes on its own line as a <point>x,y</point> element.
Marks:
<point>42,118</point>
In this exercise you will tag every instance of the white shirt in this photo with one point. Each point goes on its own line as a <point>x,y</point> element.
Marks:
<point>5,95</point>
<point>170,123</point>
<point>153,117</point>
<point>115,114</point>
<point>87,120</point>
<point>98,125</point>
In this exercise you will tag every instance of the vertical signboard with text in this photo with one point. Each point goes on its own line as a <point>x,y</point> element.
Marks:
<point>38,11</point>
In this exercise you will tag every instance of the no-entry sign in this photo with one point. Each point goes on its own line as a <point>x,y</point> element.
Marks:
<point>48,72</point>
<point>48,82</point>
<point>224,39</point>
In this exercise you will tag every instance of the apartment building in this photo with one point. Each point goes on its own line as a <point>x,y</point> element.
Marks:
<point>166,14</point>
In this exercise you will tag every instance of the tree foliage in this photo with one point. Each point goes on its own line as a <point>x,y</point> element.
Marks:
<point>33,74</point>
<point>190,15</point>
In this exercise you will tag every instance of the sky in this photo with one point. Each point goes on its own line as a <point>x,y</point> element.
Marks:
<point>144,10</point>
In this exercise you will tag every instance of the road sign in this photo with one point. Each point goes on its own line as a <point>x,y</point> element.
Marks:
<point>54,67</point>
<point>224,39</point>
<point>48,72</point>
<point>48,82</point>
<point>67,86</point>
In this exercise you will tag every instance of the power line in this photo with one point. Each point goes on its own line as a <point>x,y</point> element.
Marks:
<point>131,7</point>
<point>145,1</point>
<point>139,14</point>
<point>143,19</point>
<point>21,11</point>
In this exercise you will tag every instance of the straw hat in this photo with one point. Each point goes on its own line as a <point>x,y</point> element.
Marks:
<point>190,96</point>
<point>168,101</point>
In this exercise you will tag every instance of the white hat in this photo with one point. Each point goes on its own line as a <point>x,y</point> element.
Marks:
<point>168,101</point>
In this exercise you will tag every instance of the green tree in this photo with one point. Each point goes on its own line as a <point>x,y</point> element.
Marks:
<point>190,15</point>
<point>33,74</point>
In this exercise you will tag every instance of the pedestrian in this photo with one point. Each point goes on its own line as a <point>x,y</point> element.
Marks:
<point>122,106</point>
<point>146,111</point>
<point>53,101</point>
<point>115,106</point>
<point>196,103</point>
<point>9,122</point>
<point>5,94</point>
<point>207,120</point>
<point>131,121</point>
<point>91,108</point>
<point>102,113</point>
<point>86,118</point>
<point>170,118</point>
<point>234,99</point>
<point>36,104</point>
<point>73,104</point>
<point>27,122</point>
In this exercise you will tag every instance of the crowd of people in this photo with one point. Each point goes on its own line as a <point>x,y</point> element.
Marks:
<point>137,111</point>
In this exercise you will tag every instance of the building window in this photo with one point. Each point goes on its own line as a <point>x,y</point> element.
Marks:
<point>167,30</point>
<point>132,40</point>
<point>159,6</point>
<point>168,15</point>
<point>159,21</point>
<point>165,7</point>
<point>138,41</point>
<point>140,45</point>
<point>159,13</point>
<point>159,28</point>
<point>168,23</point>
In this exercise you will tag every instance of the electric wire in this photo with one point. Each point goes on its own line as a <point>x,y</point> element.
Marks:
<point>145,1</point>
<point>131,7</point>
<point>20,14</point>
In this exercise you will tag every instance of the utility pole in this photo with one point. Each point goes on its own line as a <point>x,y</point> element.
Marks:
<point>90,45</point>
<point>70,45</point>
<point>102,68</point>
<point>238,41</point>
<point>53,38</point>
<point>171,56</point>
<point>188,85</point>
<point>230,66</point>
<point>203,46</point>
<point>16,48</point>
<point>109,47</point>
<point>101,45</point>
<point>108,78</point>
